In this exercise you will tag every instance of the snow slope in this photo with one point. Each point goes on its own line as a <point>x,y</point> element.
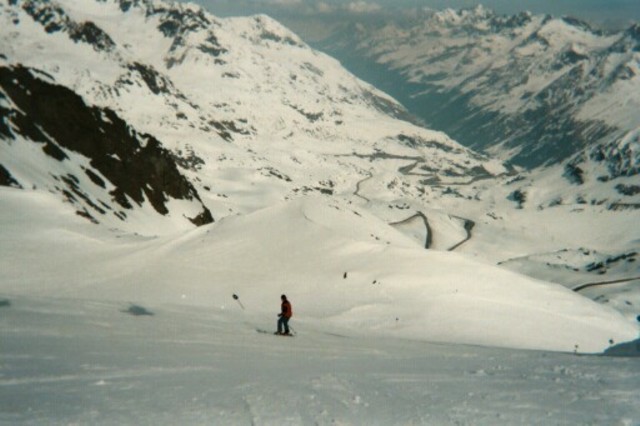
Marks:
<point>304,248</point>
<point>116,328</point>
<point>86,362</point>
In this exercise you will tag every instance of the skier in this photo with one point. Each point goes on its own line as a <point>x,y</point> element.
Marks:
<point>284,315</point>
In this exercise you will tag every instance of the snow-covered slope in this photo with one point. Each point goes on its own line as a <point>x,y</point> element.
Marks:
<point>119,328</point>
<point>148,117</point>
<point>342,266</point>
<point>530,88</point>
<point>90,362</point>
<point>96,161</point>
<point>604,174</point>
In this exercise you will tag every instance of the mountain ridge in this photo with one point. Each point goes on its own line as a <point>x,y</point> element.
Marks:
<point>529,88</point>
<point>200,85</point>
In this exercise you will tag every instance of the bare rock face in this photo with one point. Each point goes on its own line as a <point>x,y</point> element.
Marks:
<point>135,164</point>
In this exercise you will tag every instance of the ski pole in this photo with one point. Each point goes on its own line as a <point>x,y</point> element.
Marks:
<point>237,299</point>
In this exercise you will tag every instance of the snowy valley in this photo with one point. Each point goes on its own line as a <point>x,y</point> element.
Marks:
<point>531,89</point>
<point>156,160</point>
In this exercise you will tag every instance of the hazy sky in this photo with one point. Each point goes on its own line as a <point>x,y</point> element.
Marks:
<point>599,12</point>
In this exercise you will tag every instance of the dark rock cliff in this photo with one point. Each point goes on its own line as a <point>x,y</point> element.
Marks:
<point>136,164</point>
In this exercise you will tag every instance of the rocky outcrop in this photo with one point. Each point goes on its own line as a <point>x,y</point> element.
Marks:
<point>136,165</point>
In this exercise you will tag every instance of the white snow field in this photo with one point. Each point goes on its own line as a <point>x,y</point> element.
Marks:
<point>395,342</point>
<point>67,361</point>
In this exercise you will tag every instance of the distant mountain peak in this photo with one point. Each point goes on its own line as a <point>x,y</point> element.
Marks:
<point>532,89</point>
<point>579,23</point>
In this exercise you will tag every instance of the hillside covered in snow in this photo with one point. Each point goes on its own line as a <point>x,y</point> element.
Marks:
<point>121,328</point>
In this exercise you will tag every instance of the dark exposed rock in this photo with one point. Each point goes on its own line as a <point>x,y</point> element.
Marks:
<point>578,23</point>
<point>276,173</point>
<point>226,128</point>
<point>53,150</point>
<point>212,47</point>
<point>54,19</point>
<point>50,16</point>
<point>136,164</point>
<point>154,81</point>
<point>89,33</point>
<point>6,179</point>
<point>176,23</point>
<point>95,178</point>
<point>628,190</point>
<point>518,196</point>
<point>574,174</point>
<point>311,116</point>
<point>203,218</point>
<point>263,23</point>
<point>188,160</point>
<point>621,159</point>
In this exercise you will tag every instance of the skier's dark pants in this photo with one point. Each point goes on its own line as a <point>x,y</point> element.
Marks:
<point>283,321</point>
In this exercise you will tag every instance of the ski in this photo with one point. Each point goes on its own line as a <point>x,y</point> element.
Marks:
<point>263,331</point>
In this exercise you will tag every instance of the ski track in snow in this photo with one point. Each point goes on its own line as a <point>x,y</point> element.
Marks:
<point>79,362</point>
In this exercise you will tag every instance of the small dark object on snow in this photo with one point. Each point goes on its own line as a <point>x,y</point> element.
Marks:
<point>137,311</point>
<point>345,275</point>
<point>5,303</point>
<point>237,299</point>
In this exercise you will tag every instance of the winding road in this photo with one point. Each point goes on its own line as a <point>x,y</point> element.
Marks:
<point>468,227</point>
<point>429,239</point>
<point>587,285</point>
<point>468,223</point>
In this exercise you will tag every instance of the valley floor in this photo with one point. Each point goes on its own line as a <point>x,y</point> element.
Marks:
<point>66,361</point>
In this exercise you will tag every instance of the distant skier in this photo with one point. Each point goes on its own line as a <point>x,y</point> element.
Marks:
<point>284,316</point>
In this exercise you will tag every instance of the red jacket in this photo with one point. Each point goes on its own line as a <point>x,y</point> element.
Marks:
<point>286,309</point>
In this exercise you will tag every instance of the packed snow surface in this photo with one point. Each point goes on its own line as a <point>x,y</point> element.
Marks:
<point>66,362</point>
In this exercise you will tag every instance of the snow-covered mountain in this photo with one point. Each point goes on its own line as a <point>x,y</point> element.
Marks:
<point>532,89</point>
<point>243,94</point>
